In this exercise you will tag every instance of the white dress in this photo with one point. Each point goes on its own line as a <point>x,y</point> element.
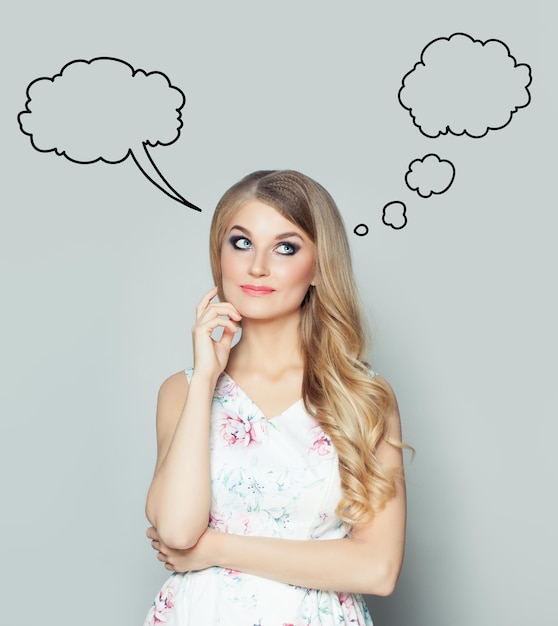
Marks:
<point>270,477</point>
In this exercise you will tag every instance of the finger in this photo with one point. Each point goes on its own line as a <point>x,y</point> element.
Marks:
<point>219,322</point>
<point>224,308</point>
<point>169,567</point>
<point>227,338</point>
<point>156,545</point>
<point>162,557</point>
<point>151,533</point>
<point>202,304</point>
<point>218,308</point>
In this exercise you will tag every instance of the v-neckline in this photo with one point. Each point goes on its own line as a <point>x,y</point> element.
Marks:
<point>267,419</point>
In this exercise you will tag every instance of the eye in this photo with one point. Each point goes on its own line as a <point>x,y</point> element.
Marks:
<point>240,243</point>
<point>287,249</point>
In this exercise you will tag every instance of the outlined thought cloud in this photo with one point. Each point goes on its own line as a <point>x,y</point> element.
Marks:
<point>394,214</point>
<point>465,86</point>
<point>105,110</point>
<point>461,86</point>
<point>430,175</point>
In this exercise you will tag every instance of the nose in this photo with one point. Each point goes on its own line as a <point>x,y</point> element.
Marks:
<point>259,265</point>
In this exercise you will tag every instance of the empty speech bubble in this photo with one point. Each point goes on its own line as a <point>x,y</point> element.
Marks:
<point>105,110</point>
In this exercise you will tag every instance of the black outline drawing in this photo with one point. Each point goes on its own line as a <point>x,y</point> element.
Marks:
<point>144,161</point>
<point>465,132</point>
<point>363,227</point>
<point>527,78</point>
<point>431,192</point>
<point>404,214</point>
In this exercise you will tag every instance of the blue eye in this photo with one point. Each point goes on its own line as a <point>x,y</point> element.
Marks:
<point>240,243</point>
<point>287,249</point>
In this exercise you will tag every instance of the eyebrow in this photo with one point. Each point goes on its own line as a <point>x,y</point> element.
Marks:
<point>281,236</point>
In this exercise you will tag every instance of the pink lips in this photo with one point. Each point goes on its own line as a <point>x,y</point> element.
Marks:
<point>256,290</point>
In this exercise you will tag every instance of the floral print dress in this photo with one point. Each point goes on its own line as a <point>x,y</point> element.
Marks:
<point>270,477</point>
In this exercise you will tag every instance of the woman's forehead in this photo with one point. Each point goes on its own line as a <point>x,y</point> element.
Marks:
<point>255,216</point>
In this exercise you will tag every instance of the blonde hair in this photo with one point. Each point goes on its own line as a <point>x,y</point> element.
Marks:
<point>349,404</point>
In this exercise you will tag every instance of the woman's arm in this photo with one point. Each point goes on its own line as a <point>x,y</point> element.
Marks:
<point>367,562</point>
<point>179,497</point>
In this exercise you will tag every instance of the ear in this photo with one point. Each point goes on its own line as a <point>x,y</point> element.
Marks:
<point>313,282</point>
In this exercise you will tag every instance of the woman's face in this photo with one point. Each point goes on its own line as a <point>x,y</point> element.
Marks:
<point>267,263</point>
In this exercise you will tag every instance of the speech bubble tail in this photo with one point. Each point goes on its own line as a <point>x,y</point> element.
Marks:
<point>147,166</point>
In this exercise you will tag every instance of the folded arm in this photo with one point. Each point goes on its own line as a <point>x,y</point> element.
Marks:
<point>367,562</point>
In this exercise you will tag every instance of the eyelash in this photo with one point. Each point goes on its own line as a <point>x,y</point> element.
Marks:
<point>235,240</point>
<point>293,246</point>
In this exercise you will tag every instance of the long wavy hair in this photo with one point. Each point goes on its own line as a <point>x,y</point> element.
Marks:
<point>349,404</point>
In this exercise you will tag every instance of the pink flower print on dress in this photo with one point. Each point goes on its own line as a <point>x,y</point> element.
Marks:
<point>321,444</point>
<point>346,600</point>
<point>352,612</point>
<point>237,431</point>
<point>163,603</point>
<point>219,523</point>
<point>226,388</point>
<point>234,573</point>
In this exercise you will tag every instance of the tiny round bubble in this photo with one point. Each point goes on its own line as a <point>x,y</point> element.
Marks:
<point>361,230</point>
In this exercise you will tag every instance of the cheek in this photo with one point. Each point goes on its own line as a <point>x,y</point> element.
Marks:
<point>302,272</point>
<point>229,271</point>
<point>228,263</point>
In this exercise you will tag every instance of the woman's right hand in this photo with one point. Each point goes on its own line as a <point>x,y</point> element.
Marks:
<point>210,355</point>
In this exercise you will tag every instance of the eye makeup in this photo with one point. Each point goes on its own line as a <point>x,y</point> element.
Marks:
<point>241,242</point>
<point>294,248</point>
<point>236,239</point>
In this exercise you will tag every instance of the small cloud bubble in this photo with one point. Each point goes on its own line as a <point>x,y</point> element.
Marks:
<point>430,175</point>
<point>394,215</point>
<point>361,230</point>
<point>465,86</point>
<point>105,110</point>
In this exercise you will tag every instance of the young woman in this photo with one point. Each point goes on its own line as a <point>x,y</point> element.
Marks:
<point>278,495</point>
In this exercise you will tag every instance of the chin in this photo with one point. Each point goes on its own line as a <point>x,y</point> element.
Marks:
<point>261,312</point>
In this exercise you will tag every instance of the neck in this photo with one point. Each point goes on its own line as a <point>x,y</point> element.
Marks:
<point>268,346</point>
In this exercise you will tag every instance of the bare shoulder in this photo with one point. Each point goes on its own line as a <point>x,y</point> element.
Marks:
<point>174,388</point>
<point>172,396</point>
<point>381,382</point>
<point>393,420</point>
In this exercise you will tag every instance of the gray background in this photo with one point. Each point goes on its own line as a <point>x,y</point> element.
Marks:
<point>101,271</point>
